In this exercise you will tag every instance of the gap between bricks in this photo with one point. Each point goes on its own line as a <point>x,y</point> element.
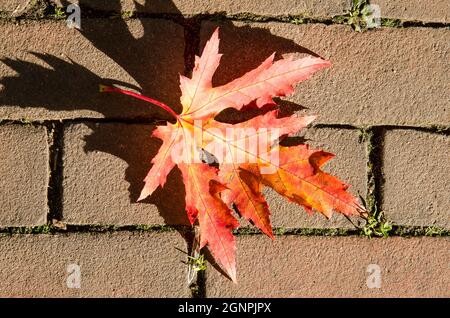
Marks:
<point>371,136</point>
<point>48,10</point>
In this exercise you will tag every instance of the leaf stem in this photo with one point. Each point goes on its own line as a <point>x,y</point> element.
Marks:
<point>109,89</point>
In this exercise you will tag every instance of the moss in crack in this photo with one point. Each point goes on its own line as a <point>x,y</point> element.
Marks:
<point>391,23</point>
<point>247,16</point>
<point>366,135</point>
<point>302,18</point>
<point>54,196</point>
<point>440,129</point>
<point>376,224</point>
<point>380,229</point>
<point>41,229</point>
<point>143,227</point>
<point>340,19</point>
<point>305,19</point>
<point>416,231</point>
<point>279,231</point>
<point>247,231</point>
<point>399,23</point>
<point>320,232</point>
<point>60,227</point>
<point>125,228</point>
<point>154,228</point>
<point>282,231</point>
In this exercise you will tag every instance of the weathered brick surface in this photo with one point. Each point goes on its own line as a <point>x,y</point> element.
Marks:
<point>412,10</point>
<point>63,81</point>
<point>9,5</point>
<point>386,76</point>
<point>12,6</point>
<point>296,266</point>
<point>416,169</point>
<point>112,265</point>
<point>104,168</point>
<point>349,165</point>
<point>265,7</point>
<point>24,175</point>
<point>428,11</point>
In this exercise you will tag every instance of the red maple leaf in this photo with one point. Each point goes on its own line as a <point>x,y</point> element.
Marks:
<point>246,154</point>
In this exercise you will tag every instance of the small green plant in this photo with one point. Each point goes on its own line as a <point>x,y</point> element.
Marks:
<point>198,264</point>
<point>127,14</point>
<point>143,227</point>
<point>298,20</point>
<point>59,13</point>
<point>26,122</point>
<point>433,231</point>
<point>376,225</point>
<point>359,15</point>
<point>280,231</point>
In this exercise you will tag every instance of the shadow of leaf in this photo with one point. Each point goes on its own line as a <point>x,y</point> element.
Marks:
<point>147,57</point>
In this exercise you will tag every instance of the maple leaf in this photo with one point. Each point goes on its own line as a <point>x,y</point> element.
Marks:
<point>245,160</point>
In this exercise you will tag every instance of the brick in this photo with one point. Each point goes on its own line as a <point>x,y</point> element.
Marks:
<point>104,169</point>
<point>296,266</point>
<point>25,173</point>
<point>388,76</point>
<point>13,7</point>
<point>416,10</point>
<point>349,165</point>
<point>63,82</point>
<point>281,7</point>
<point>111,265</point>
<point>103,173</point>
<point>416,186</point>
